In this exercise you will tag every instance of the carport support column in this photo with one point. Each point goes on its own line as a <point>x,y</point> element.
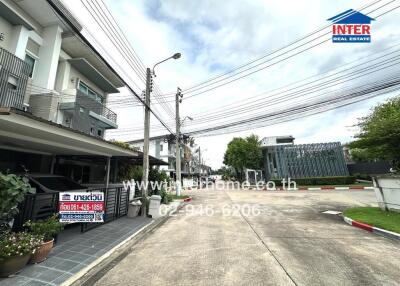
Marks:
<point>108,171</point>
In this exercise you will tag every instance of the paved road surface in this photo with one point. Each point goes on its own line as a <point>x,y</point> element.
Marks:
<point>289,243</point>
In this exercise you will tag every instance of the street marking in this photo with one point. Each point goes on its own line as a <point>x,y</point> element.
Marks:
<point>332,212</point>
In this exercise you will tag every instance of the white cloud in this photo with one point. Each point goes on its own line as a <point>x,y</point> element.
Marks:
<point>215,36</point>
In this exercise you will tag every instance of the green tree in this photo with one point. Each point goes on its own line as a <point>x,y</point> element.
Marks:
<point>243,153</point>
<point>380,133</point>
<point>225,172</point>
<point>361,155</point>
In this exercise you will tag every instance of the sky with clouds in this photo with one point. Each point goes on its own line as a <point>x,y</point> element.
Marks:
<point>216,36</point>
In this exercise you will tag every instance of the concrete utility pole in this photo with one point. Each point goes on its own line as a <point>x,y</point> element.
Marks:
<point>145,177</point>
<point>178,100</point>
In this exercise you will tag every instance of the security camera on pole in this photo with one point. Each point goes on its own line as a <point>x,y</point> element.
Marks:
<point>178,100</point>
<point>149,86</point>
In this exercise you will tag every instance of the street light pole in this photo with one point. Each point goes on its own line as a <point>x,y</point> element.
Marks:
<point>178,97</point>
<point>145,177</point>
<point>149,85</point>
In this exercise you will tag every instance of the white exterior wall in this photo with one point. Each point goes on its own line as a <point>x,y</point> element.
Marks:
<point>49,54</point>
<point>153,150</point>
<point>19,41</point>
<point>5,28</point>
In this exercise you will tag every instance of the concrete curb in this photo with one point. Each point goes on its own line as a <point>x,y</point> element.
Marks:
<point>104,263</point>
<point>354,188</point>
<point>370,228</point>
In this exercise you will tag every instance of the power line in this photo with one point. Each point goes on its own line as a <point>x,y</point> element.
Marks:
<point>350,73</point>
<point>127,50</point>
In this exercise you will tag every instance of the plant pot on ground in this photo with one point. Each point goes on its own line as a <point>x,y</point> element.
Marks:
<point>47,228</point>
<point>15,251</point>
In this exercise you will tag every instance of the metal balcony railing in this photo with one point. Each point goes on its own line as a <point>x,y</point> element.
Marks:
<point>97,107</point>
<point>14,74</point>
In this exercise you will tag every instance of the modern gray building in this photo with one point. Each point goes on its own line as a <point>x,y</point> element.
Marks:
<point>283,159</point>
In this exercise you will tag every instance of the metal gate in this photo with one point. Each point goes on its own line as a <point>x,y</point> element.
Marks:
<point>116,202</point>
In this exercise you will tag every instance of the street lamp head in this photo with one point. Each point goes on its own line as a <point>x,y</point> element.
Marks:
<point>176,56</point>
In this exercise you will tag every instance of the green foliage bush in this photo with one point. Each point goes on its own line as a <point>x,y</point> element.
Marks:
<point>319,181</point>
<point>13,189</point>
<point>365,177</point>
<point>128,171</point>
<point>47,228</point>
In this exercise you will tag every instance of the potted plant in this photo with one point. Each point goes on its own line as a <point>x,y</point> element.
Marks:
<point>47,228</point>
<point>379,140</point>
<point>13,189</point>
<point>15,251</point>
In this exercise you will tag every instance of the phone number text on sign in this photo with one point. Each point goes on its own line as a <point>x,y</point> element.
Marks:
<point>81,207</point>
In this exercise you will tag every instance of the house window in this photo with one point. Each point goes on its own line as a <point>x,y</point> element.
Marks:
<point>161,147</point>
<point>31,63</point>
<point>83,87</point>
<point>99,132</point>
<point>91,131</point>
<point>90,92</point>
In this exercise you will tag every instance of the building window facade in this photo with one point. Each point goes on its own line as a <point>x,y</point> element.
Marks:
<point>90,92</point>
<point>31,61</point>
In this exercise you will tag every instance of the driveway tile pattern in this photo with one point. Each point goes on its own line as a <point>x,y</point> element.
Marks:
<point>74,251</point>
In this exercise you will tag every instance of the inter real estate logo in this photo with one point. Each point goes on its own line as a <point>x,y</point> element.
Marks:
<point>351,26</point>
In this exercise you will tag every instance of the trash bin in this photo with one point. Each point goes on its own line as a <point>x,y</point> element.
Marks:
<point>154,207</point>
<point>134,208</point>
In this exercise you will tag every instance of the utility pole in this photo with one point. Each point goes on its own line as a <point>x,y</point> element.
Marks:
<point>200,161</point>
<point>200,167</point>
<point>145,177</point>
<point>178,100</point>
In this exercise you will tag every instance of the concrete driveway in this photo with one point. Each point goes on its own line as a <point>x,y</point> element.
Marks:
<point>241,237</point>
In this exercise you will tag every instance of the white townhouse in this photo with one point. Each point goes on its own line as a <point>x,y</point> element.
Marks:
<point>54,88</point>
<point>163,148</point>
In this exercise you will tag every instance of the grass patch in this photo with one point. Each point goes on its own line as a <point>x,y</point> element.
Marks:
<point>170,197</point>
<point>181,197</point>
<point>375,217</point>
<point>350,185</point>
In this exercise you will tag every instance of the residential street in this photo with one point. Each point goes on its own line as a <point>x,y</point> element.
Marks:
<point>289,243</point>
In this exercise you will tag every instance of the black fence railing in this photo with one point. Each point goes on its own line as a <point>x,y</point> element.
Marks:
<point>36,207</point>
<point>14,74</point>
<point>41,206</point>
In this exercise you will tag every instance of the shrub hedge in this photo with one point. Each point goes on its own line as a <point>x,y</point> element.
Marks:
<point>320,181</point>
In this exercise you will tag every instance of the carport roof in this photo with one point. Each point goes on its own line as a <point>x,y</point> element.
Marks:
<point>24,132</point>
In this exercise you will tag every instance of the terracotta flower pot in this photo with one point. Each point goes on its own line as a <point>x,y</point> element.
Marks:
<point>41,252</point>
<point>13,264</point>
